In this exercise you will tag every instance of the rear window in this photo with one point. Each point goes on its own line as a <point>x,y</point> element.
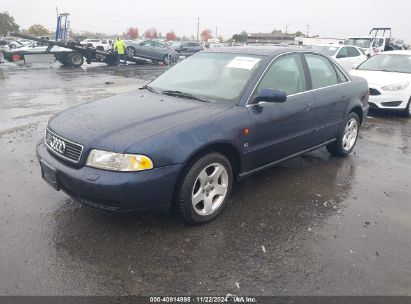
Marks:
<point>353,52</point>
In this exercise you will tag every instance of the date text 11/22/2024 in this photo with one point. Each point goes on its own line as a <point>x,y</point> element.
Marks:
<point>204,299</point>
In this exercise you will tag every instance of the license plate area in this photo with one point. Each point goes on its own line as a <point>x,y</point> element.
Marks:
<point>49,174</point>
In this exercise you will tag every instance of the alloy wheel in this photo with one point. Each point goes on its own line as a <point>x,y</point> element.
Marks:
<point>130,52</point>
<point>210,189</point>
<point>350,134</point>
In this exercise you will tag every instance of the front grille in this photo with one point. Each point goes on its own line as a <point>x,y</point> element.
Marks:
<point>374,92</point>
<point>71,152</point>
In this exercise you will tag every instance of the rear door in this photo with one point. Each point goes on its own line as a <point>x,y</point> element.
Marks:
<point>331,93</point>
<point>281,129</point>
<point>159,50</point>
<point>355,56</point>
<point>145,48</point>
<point>343,58</point>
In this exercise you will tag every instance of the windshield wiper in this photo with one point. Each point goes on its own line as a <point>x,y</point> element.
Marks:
<point>147,87</point>
<point>183,94</point>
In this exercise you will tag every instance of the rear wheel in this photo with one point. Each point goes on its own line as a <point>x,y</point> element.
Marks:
<point>63,60</point>
<point>347,138</point>
<point>204,189</point>
<point>130,52</point>
<point>75,59</point>
<point>167,59</point>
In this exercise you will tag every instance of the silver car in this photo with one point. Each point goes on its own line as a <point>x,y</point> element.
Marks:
<point>149,49</point>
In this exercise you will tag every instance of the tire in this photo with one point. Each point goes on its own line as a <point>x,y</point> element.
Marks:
<point>63,60</point>
<point>130,52</point>
<point>347,138</point>
<point>75,59</point>
<point>201,196</point>
<point>407,111</point>
<point>166,59</point>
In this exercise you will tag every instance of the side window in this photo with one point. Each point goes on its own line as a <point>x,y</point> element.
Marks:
<point>147,43</point>
<point>343,53</point>
<point>159,45</point>
<point>341,75</point>
<point>353,52</point>
<point>286,74</point>
<point>378,42</point>
<point>322,72</point>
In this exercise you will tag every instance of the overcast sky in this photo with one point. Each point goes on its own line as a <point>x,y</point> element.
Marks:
<point>328,18</point>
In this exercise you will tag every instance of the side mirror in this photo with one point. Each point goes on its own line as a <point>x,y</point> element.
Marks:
<point>270,95</point>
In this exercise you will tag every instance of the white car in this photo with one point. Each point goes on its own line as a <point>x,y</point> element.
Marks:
<point>389,78</point>
<point>348,57</point>
<point>102,45</point>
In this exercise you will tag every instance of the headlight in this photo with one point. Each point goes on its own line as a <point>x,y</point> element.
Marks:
<point>118,162</point>
<point>396,87</point>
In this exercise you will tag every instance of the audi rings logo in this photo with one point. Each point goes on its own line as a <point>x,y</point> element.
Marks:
<point>57,144</point>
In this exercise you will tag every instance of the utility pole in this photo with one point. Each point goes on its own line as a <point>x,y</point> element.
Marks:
<point>308,28</point>
<point>216,32</point>
<point>198,28</point>
<point>286,29</point>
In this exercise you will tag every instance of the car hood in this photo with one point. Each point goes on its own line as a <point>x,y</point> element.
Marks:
<point>378,78</point>
<point>116,123</point>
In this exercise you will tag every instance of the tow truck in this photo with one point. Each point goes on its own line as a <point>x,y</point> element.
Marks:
<point>377,41</point>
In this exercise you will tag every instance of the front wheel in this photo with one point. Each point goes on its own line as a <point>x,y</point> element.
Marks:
<point>347,138</point>
<point>204,189</point>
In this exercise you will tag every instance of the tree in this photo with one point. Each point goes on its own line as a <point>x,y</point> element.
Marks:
<point>151,33</point>
<point>7,24</point>
<point>206,35</point>
<point>171,36</point>
<point>277,32</point>
<point>38,30</point>
<point>242,37</point>
<point>299,34</point>
<point>132,33</point>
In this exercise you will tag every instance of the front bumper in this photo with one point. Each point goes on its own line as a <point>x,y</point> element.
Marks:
<point>113,191</point>
<point>396,100</point>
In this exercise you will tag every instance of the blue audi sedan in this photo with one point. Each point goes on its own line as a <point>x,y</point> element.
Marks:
<point>182,140</point>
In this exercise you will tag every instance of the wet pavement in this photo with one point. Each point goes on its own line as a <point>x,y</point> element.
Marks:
<point>314,225</point>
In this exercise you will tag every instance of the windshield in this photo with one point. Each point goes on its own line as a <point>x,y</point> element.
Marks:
<point>215,77</point>
<point>360,42</point>
<point>326,50</point>
<point>388,63</point>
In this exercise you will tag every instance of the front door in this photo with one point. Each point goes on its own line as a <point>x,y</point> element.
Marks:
<point>280,129</point>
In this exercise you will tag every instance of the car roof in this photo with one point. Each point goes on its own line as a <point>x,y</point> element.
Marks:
<point>257,50</point>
